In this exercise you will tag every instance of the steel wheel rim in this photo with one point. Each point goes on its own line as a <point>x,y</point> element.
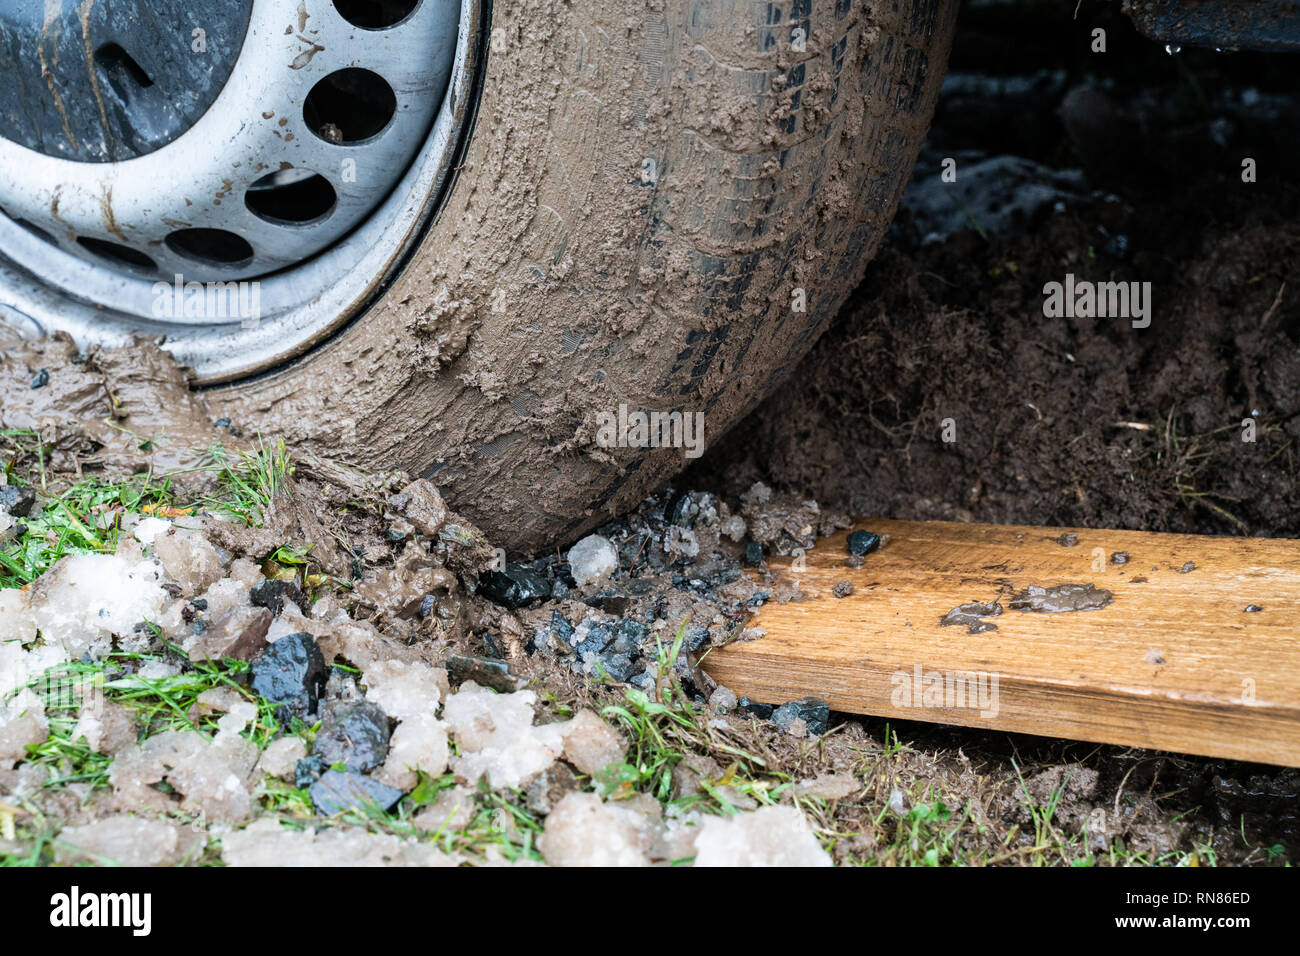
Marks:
<point>299,303</point>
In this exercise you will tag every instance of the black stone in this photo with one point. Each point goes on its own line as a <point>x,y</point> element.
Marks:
<point>863,542</point>
<point>619,667</point>
<point>291,672</point>
<point>354,734</point>
<point>628,637</point>
<point>273,593</point>
<point>484,672</point>
<point>814,711</point>
<point>41,378</point>
<point>307,770</point>
<point>599,637</point>
<point>560,626</point>
<point>17,500</point>
<point>516,586</point>
<point>753,554</point>
<point>761,711</point>
<point>337,791</point>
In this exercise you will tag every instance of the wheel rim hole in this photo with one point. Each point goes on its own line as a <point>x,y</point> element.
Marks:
<point>122,69</point>
<point>349,106</point>
<point>291,197</point>
<point>217,247</point>
<point>375,14</point>
<point>36,231</point>
<point>116,253</point>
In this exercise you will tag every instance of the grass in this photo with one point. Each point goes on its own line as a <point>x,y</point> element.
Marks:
<point>84,517</point>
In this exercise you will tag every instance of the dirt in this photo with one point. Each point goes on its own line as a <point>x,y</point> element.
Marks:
<point>1060,599</point>
<point>106,410</point>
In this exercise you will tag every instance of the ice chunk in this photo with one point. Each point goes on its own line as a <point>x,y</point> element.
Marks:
<point>418,743</point>
<point>246,572</point>
<point>211,776</point>
<point>590,744</point>
<point>281,757</point>
<point>224,596</point>
<point>770,836</point>
<point>85,599</point>
<point>267,843</point>
<point>497,738</point>
<point>147,530</point>
<point>127,841</point>
<point>16,621</point>
<point>452,811</point>
<point>188,559</point>
<point>107,727</point>
<point>157,670</point>
<point>592,559</point>
<point>583,831</point>
<point>405,690</point>
<point>22,723</point>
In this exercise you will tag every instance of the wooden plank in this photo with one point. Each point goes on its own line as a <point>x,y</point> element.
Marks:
<point>1174,662</point>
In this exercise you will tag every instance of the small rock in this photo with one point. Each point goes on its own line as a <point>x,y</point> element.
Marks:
<point>308,770</point>
<point>354,734</point>
<point>761,711</point>
<point>1119,557</point>
<point>17,500</point>
<point>421,505</point>
<point>41,378</point>
<point>753,555</point>
<point>722,700</point>
<point>337,791</point>
<point>592,559</point>
<point>271,594</point>
<point>1187,568</point>
<point>813,711</point>
<point>1067,540</point>
<point>863,542</point>
<point>482,671</point>
<point>291,672</point>
<point>516,586</point>
<point>842,589</point>
<point>1253,608</point>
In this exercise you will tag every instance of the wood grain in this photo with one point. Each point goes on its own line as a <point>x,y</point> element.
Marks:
<point>1173,663</point>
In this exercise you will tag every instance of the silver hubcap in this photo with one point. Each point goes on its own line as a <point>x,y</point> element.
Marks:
<point>310,173</point>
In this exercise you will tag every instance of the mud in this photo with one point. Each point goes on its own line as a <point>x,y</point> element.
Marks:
<point>110,411</point>
<point>1060,599</point>
<point>969,616</point>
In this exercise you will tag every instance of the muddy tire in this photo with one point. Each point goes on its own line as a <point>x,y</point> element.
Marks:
<point>645,200</point>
